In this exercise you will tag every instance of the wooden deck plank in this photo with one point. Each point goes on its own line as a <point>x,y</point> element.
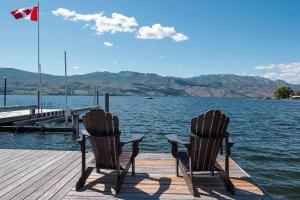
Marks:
<point>66,188</point>
<point>52,180</point>
<point>24,169</point>
<point>47,179</point>
<point>37,174</point>
<point>27,174</point>
<point>60,184</point>
<point>16,157</point>
<point>13,156</point>
<point>8,154</point>
<point>40,177</point>
<point>26,162</point>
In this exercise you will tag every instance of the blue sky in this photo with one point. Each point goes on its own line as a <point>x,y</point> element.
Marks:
<point>190,38</point>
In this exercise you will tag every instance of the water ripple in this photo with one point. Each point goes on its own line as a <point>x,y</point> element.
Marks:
<point>266,133</point>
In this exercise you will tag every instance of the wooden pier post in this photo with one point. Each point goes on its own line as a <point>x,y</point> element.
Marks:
<point>75,123</point>
<point>106,102</point>
<point>97,98</point>
<point>66,92</point>
<point>39,104</point>
<point>32,111</point>
<point>4,96</point>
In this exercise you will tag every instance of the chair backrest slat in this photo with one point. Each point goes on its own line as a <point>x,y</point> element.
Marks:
<point>204,151</point>
<point>116,124</point>
<point>109,122</point>
<point>105,141</point>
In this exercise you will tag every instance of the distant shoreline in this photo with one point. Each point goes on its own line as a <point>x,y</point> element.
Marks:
<point>102,95</point>
<point>129,83</point>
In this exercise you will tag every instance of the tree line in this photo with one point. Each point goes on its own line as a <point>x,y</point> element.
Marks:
<point>284,92</point>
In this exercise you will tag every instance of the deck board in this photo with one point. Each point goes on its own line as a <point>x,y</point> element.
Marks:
<point>43,174</point>
<point>37,179</point>
<point>26,162</point>
<point>46,179</point>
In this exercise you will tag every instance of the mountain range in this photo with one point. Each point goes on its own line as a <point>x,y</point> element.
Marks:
<point>142,84</point>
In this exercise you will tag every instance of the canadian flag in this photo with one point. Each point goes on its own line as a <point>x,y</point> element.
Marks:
<point>26,13</point>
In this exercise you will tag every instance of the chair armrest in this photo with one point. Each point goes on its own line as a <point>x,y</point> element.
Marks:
<point>84,133</point>
<point>193,135</point>
<point>135,138</point>
<point>172,138</point>
<point>230,141</point>
<point>80,139</point>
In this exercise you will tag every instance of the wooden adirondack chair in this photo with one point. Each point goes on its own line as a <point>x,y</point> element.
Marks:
<point>208,131</point>
<point>103,131</point>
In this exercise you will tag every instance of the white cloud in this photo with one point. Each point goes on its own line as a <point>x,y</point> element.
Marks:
<point>76,67</point>
<point>120,23</point>
<point>178,37</point>
<point>101,24</point>
<point>265,67</point>
<point>115,62</point>
<point>289,72</point>
<point>155,32</point>
<point>244,74</point>
<point>158,32</point>
<point>64,12</point>
<point>108,44</point>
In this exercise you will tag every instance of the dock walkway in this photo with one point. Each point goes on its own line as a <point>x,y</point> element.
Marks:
<point>44,174</point>
<point>11,116</point>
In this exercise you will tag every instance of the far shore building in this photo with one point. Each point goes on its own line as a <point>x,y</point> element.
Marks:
<point>295,97</point>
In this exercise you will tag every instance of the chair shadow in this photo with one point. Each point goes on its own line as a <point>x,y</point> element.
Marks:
<point>220,192</point>
<point>109,184</point>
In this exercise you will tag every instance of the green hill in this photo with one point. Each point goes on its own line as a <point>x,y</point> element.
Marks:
<point>143,84</point>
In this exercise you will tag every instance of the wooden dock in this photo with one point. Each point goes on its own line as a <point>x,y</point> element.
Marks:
<point>18,115</point>
<point>42,174</point>
<point>29,119</point>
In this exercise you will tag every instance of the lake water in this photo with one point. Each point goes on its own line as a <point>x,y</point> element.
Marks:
<point>266,132</point>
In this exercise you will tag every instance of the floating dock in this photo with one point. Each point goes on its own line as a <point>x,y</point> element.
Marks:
<point>23,113</point>
<point>44,174</point>
<point>30,119</point>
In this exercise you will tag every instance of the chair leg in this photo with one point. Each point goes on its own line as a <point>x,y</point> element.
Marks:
<point>187,178</point>
<point>133,167</point>
<point>80,183</point>
<point>225,175</point>
<point>118,181</point>
<point>227,182</point>
<point>98,170</point>
<point>177,168</point>
<point>121,177</point>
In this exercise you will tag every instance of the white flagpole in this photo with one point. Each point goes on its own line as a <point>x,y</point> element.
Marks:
<point>39,65</point>
<point>66,96</point>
